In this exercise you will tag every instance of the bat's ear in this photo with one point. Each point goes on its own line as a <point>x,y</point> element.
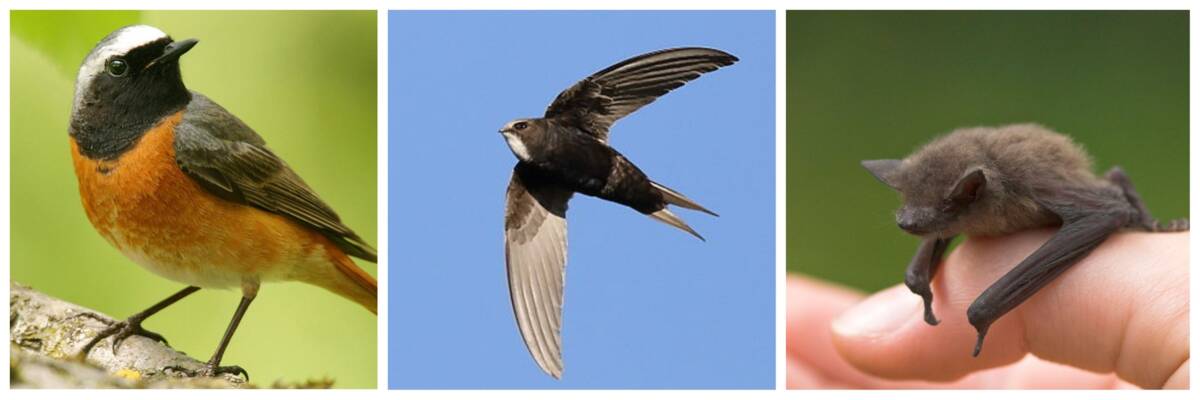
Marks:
<point>969,186</point>
<point>882,170</point>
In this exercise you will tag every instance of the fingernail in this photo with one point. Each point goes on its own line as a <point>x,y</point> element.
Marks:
<point>881,314</point>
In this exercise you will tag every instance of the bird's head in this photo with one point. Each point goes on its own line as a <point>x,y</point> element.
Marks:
<point>522,134</point>
<point>133,70</point>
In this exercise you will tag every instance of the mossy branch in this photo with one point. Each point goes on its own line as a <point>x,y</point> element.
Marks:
<point>48,333</point>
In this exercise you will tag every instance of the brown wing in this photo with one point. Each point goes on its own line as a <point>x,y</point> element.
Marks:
<point>229,159</point>
<point>535,247</point>
<point>598,101</point>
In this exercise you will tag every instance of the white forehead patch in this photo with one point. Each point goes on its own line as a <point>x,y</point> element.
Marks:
<point>130,37</point>
<point>120,41</point>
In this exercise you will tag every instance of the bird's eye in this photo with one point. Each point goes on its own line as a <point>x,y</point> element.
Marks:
<point>117,67</point>
<point>520,126</point>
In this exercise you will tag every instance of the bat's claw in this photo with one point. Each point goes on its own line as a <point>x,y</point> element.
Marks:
<point>979,343</point>
<point>981,318</point>
<point>982,329</point>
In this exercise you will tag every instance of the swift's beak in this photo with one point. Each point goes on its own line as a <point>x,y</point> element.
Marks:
<point>173,51</point>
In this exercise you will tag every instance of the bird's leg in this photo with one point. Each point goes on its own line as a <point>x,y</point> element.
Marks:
<point>120,330</point>
<point>213,367</point>
<point>921,270</point>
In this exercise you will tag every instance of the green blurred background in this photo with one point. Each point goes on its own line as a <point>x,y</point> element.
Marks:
<point>870,85</point>
<point>305,81</point>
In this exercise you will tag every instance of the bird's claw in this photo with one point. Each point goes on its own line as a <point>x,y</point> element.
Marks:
<point>119,331</point>
<point>209,370</point>
<point>92,315</point>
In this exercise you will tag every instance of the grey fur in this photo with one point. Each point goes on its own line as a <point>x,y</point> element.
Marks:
<point>1017,160</point>
<point>988,181</point>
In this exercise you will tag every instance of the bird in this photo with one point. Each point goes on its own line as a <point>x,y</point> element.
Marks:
<point>566,151</point>
<point>187,190</point>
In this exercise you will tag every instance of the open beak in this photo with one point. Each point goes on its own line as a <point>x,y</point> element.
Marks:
<point>173,51</point>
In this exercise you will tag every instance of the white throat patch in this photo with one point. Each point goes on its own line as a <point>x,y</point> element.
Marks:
<point>517,146</point>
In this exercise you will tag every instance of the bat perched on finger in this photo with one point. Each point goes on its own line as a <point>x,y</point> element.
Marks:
<point>992,181</point>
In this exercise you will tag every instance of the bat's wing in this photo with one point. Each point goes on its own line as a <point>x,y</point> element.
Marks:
<point>1089,216</point>
<point>535,247</point>
<point>598,101</point>
<point>230,160</point>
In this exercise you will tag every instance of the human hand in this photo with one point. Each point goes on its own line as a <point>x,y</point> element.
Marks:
<point>1122,312</point>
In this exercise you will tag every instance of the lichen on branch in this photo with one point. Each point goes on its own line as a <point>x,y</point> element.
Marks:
<point>47,335</point>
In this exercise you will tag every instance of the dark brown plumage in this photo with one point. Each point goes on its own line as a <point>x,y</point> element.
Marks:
<point>567,152</point>
<point>994,181</point>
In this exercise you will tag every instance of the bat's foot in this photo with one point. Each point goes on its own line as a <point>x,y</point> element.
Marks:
<point>119,331</point>
<point>1178,225</point>
<point>929,317</point>
<point>920,287</point>
<point>209,370</point>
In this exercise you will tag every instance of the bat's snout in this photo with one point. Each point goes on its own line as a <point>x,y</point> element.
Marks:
<point>913,220</point>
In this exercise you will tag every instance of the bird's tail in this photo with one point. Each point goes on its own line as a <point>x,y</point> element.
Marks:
<point>675,198</point>
<point>669,218</point>
<point>678,199</point>
<point>348,280</point>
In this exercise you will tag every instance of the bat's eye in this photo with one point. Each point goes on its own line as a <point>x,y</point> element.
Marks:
<point>117,67</point>
<point>520,126</point>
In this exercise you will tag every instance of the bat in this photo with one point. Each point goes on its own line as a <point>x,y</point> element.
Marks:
<point>992,181</point>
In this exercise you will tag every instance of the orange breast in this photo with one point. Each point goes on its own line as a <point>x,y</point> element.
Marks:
<point>146,207</point>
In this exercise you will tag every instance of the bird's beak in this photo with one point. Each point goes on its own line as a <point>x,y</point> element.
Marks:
<point>173,51</point>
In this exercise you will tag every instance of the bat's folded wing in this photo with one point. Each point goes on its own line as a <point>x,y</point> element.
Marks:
<point>1089,216</point>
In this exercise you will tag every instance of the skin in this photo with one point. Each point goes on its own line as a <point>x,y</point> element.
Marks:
<point>1065,336</point>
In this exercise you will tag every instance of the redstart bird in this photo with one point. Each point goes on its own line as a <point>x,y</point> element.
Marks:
<point>188,191</point>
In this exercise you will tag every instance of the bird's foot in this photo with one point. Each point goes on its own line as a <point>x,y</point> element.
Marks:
<point>209,370</point>
<point>118,330</point>
<point>92,315</point>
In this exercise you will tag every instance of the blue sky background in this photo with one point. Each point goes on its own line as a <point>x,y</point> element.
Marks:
<point>646,306</point>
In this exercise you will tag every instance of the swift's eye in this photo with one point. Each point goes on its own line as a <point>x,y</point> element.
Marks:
<point>520,126</point>
<point>117,67</point>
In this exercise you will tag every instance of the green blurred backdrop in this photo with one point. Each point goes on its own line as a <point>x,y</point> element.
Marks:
<point>869,85</point>
<point>306,81</point>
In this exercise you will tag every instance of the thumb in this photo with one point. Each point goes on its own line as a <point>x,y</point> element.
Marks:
<point>1124,309</point>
